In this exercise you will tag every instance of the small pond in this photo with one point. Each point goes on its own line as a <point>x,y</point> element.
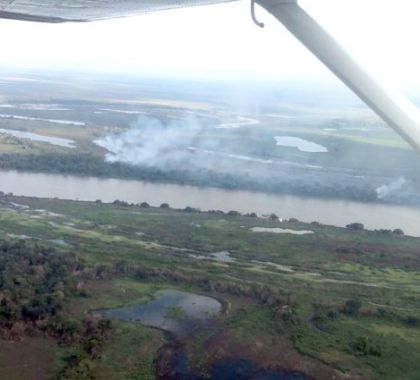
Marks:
<point>281,231</point>
<point>222,256</point>
<point>175,311</point>
<point>300,144</point>
<point>67,143</point>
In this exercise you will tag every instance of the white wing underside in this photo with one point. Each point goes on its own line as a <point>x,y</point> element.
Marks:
<point>395,110</point>
<point>88,10</point>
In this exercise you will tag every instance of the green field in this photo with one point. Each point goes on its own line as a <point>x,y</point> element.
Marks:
<point>337,302</point>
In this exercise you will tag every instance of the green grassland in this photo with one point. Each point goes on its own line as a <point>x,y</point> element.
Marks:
<point>325,270</point>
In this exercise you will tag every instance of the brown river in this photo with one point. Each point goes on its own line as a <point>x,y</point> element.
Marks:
<point>327,211</point>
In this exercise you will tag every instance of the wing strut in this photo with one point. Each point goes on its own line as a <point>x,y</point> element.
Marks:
<point>254,17</point>
<point>398,112</point>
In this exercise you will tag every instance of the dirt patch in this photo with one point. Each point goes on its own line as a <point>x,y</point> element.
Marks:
<point>30,359</point>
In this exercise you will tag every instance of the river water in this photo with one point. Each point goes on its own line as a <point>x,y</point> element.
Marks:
<point>327,211</point>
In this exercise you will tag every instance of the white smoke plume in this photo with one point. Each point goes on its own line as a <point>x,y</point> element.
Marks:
<point>391,190</point>
<point>152,143</point>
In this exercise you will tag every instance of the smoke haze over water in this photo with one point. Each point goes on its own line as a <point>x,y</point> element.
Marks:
<point>193,150</point>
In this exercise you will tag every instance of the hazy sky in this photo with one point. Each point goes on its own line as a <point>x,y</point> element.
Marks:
<point>221,41</point>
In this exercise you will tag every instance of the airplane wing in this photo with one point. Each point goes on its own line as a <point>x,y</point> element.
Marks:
<point>395,110</point>
<point>55,11</point>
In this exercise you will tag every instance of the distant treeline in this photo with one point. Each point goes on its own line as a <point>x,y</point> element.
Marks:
<point>89,165</point>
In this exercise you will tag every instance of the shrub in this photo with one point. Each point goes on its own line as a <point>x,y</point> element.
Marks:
<point>411,321</point>
<point>398,232</point>
<point>363,346</point>
<point>191,209</point>
<point>356,226</point>
<point>352,307</point>
<point>234,213</point>
<point>251,215</point>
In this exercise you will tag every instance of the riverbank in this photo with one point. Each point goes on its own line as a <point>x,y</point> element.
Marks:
<point>374,216</point>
